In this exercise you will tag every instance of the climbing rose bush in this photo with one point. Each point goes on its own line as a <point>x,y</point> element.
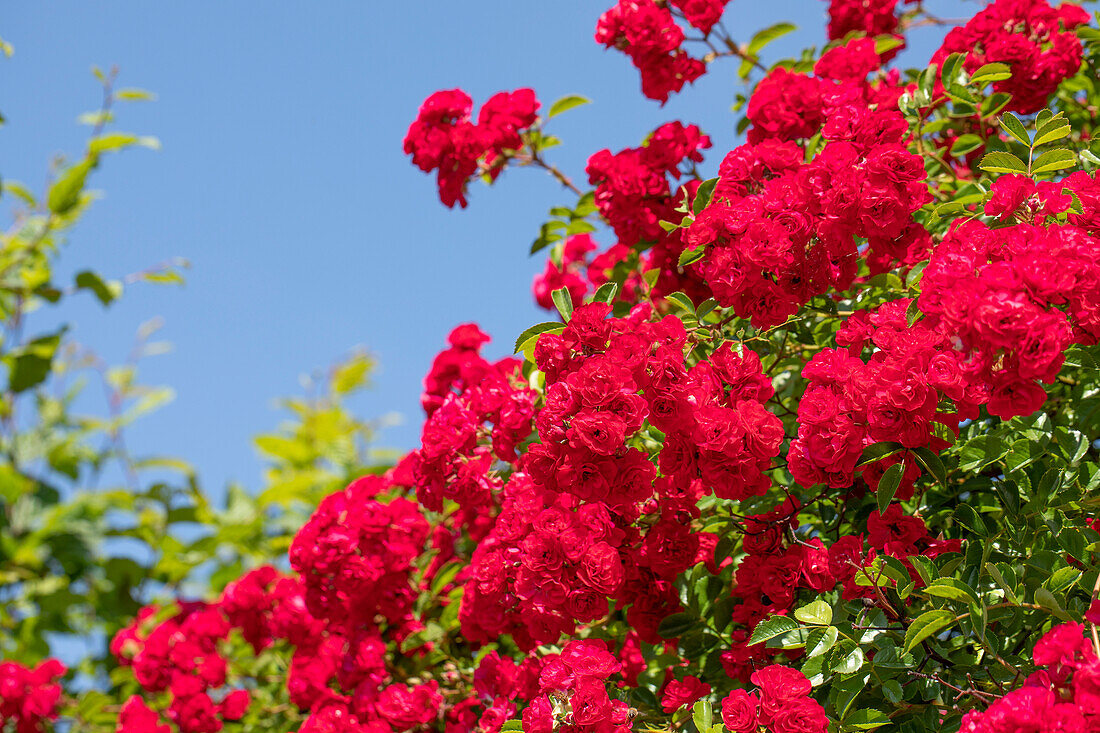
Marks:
<point>808,444</point>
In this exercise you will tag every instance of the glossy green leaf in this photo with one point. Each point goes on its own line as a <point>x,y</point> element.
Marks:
<point>888,485</point>
<point>927,624</point>
<point>1000,162</point>
<point>566,103</point>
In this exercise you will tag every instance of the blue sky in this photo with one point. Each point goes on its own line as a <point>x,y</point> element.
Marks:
<point>283,181</point>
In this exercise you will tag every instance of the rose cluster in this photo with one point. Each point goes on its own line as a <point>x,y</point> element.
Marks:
<point>779,230</point>
<point>444,138</point>
<point>781,704</point>
<point>573,691</point>
<point>647,32</point>
<point>1035,40</point>
<point>477,413</point>
<point>873,17</point>
<point>29,696</point>
<point>179,655</point>
<point>893,396</point>
<point>1062,697</point>
<point>633,196</point>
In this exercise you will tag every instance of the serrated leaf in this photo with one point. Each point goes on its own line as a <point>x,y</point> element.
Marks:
<point>1012,125</point>
<point>865,719</point>
<point>990,73</point>
<point>995,573</point>
<point>1046,599</point>
<point>967,143</point>
<point>1054,160</point>
<point>925,625</point>
<point>950,70</point>
<point>766,36</point>
<point>691,256</point>
<point>818,613</point>
<point>821,640</point>
<point>1001,162</point>
<point>771,628</point>
<point>1056,129</point>
<point>682,301</point>
<point>952,589</point>
<point>566,103</point>
<point>605,293</point>
<point>969,518</point>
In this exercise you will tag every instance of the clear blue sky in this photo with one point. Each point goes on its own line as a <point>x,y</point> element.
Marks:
<point>282,180</point>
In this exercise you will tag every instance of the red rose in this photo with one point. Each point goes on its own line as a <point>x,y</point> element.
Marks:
<point>601,569</point>
<point>800,715</point>
<point>739,712</point>
<point>682,693</point>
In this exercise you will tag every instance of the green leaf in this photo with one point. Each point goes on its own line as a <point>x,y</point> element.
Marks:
<point>995,573</point>
<point>119,140</point>
<point>887,42</point>
<point>1054,160</point>
<point>691,256</point>
<point>878,451</point>
<point>927,624</point>
<point>888,485</point>
<point>865,719</point>
<point>771,628</point>
<point>564,303</point>
<point>950,70</point>
<point>29,365</point>
<point>967,516</point>
<point>932,463</point>
<point>132,94</point>
<point>1046,599</point>
<point>912,313</point>
<point>682,301</point>
<point>1012,125</point>
<point>703,716</point>
<point>676,625</point>
<point>820,641</point>
<point>1056,128</point>
<point>766,36</point>
<point>65,192</point>
<point>965,144</point>
<point>990,73</point>
<point>703,195</point>
<point>534,331</point>
<point>106,292</point>
<point>817,613</point>
<point>999,162</point>
<point>951,589</point>
<point>351,375</point>
<point>566,103</point>
<point>512,726</point>
<point>605,293</point>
